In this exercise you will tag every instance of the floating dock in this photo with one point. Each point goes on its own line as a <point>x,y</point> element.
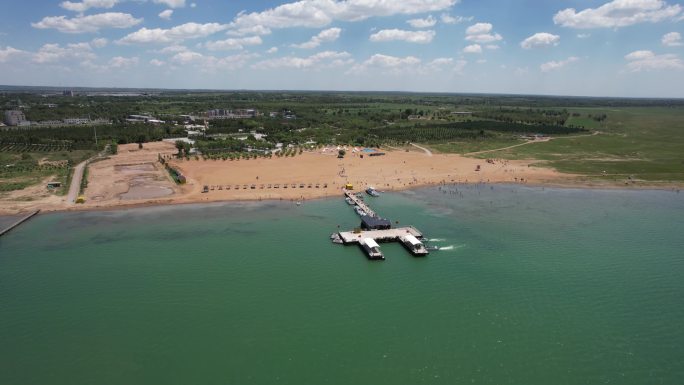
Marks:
<point>391,235</point>
<point>17,223</point>
<point>378,232</point>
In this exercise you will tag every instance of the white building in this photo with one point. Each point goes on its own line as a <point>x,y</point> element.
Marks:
<point>14,117</point>
<point>143,119</point>
<point>75,121</point>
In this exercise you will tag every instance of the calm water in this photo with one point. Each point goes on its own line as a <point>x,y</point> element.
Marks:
<point>534,286</point>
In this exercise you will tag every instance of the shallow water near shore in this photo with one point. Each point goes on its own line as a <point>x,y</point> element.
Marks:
<point>531,286</point>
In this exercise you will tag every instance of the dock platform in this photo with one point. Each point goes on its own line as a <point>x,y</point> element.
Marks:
<point>378,230</point>
<point>390,235</point>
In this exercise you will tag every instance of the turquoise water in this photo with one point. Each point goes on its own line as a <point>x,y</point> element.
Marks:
<point>533,286</point>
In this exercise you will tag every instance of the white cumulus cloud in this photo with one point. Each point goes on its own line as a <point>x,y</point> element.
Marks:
<point>428,22</point>
<point>421,37</point>
<point>272,50</point>
<point>99,42</point>
<point>123,62</point>
<point>387,61</point>
<point>672,39</point>
<point>233,43</point>
<point>320,13</point>
<point>172,49</point>
<point>254,30</point>
<point>179,33</point>
<point>157,62</point>
<point>320,60</point>
<point>482,33</point>
<point>392,64</point>
<point>186,57</point>
<point>541,39</point>
<point>91,23</point>
<point>114,64</point>
<point>325,36</point>
<point>166,14</point>
<point>171,3</point>
<point>556,65</point>
<point>473,48</point>
<point>54,53</point>
<point>448,19</point>
<point>87,4</point>
<point>380,65</point>
<point>618,13</point>
<point>9,53</point>
<point>638,61</point>
<point>442,64</point>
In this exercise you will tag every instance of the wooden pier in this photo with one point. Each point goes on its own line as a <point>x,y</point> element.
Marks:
<point>17,223</point>
<point>359,202</point>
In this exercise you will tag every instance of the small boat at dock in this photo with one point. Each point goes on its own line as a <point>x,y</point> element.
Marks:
<point>372,192</point>
<point>413,245</point>
<point>349,201</point>
<point>371,248</point>
<point>335,238</point>
<point>360,211</point>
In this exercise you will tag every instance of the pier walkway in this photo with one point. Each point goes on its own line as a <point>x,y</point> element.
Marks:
<point>17,223</point>
<point>359,202</point>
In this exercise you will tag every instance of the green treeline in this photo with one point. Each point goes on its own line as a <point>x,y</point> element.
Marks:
<point>78,137</point>
<point>479,129</point>
<point>528,116</point>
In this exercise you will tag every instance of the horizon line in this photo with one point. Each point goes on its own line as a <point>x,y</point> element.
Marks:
<point>4,88</point>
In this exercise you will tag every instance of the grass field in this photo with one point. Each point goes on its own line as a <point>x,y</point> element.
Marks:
<point>642,143</point>
<point>21,170</point>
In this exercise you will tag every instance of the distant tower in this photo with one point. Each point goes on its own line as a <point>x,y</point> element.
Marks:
<point>68,93</point>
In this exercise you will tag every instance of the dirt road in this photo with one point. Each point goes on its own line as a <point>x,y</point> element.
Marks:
<point>76,182</point>
<point>427,152</point>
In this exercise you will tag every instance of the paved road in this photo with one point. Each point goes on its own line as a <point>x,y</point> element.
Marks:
<point>427,152</point>
<point>76,182</point>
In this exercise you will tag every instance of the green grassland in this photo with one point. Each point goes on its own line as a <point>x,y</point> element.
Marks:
<point>468,146</point>
<point>642,143</point>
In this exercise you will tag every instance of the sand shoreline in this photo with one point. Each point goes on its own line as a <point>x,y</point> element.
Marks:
<point>138,174</point>
<point>337,194</point>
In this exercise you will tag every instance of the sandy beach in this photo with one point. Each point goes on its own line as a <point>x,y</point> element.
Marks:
<point>135,177</point>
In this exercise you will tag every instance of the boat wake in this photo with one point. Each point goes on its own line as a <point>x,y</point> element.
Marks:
<point>451,247</point>
<point>436,240</point>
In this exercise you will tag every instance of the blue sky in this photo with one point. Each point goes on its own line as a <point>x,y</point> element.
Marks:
<point>628,48</point>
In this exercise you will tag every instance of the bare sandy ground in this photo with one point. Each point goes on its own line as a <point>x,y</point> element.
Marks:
<point>131,176</point>
<point>394,171</point>
<point>134,177</point>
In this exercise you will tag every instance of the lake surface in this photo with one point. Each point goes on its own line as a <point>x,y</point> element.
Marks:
<point>532,286</point>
